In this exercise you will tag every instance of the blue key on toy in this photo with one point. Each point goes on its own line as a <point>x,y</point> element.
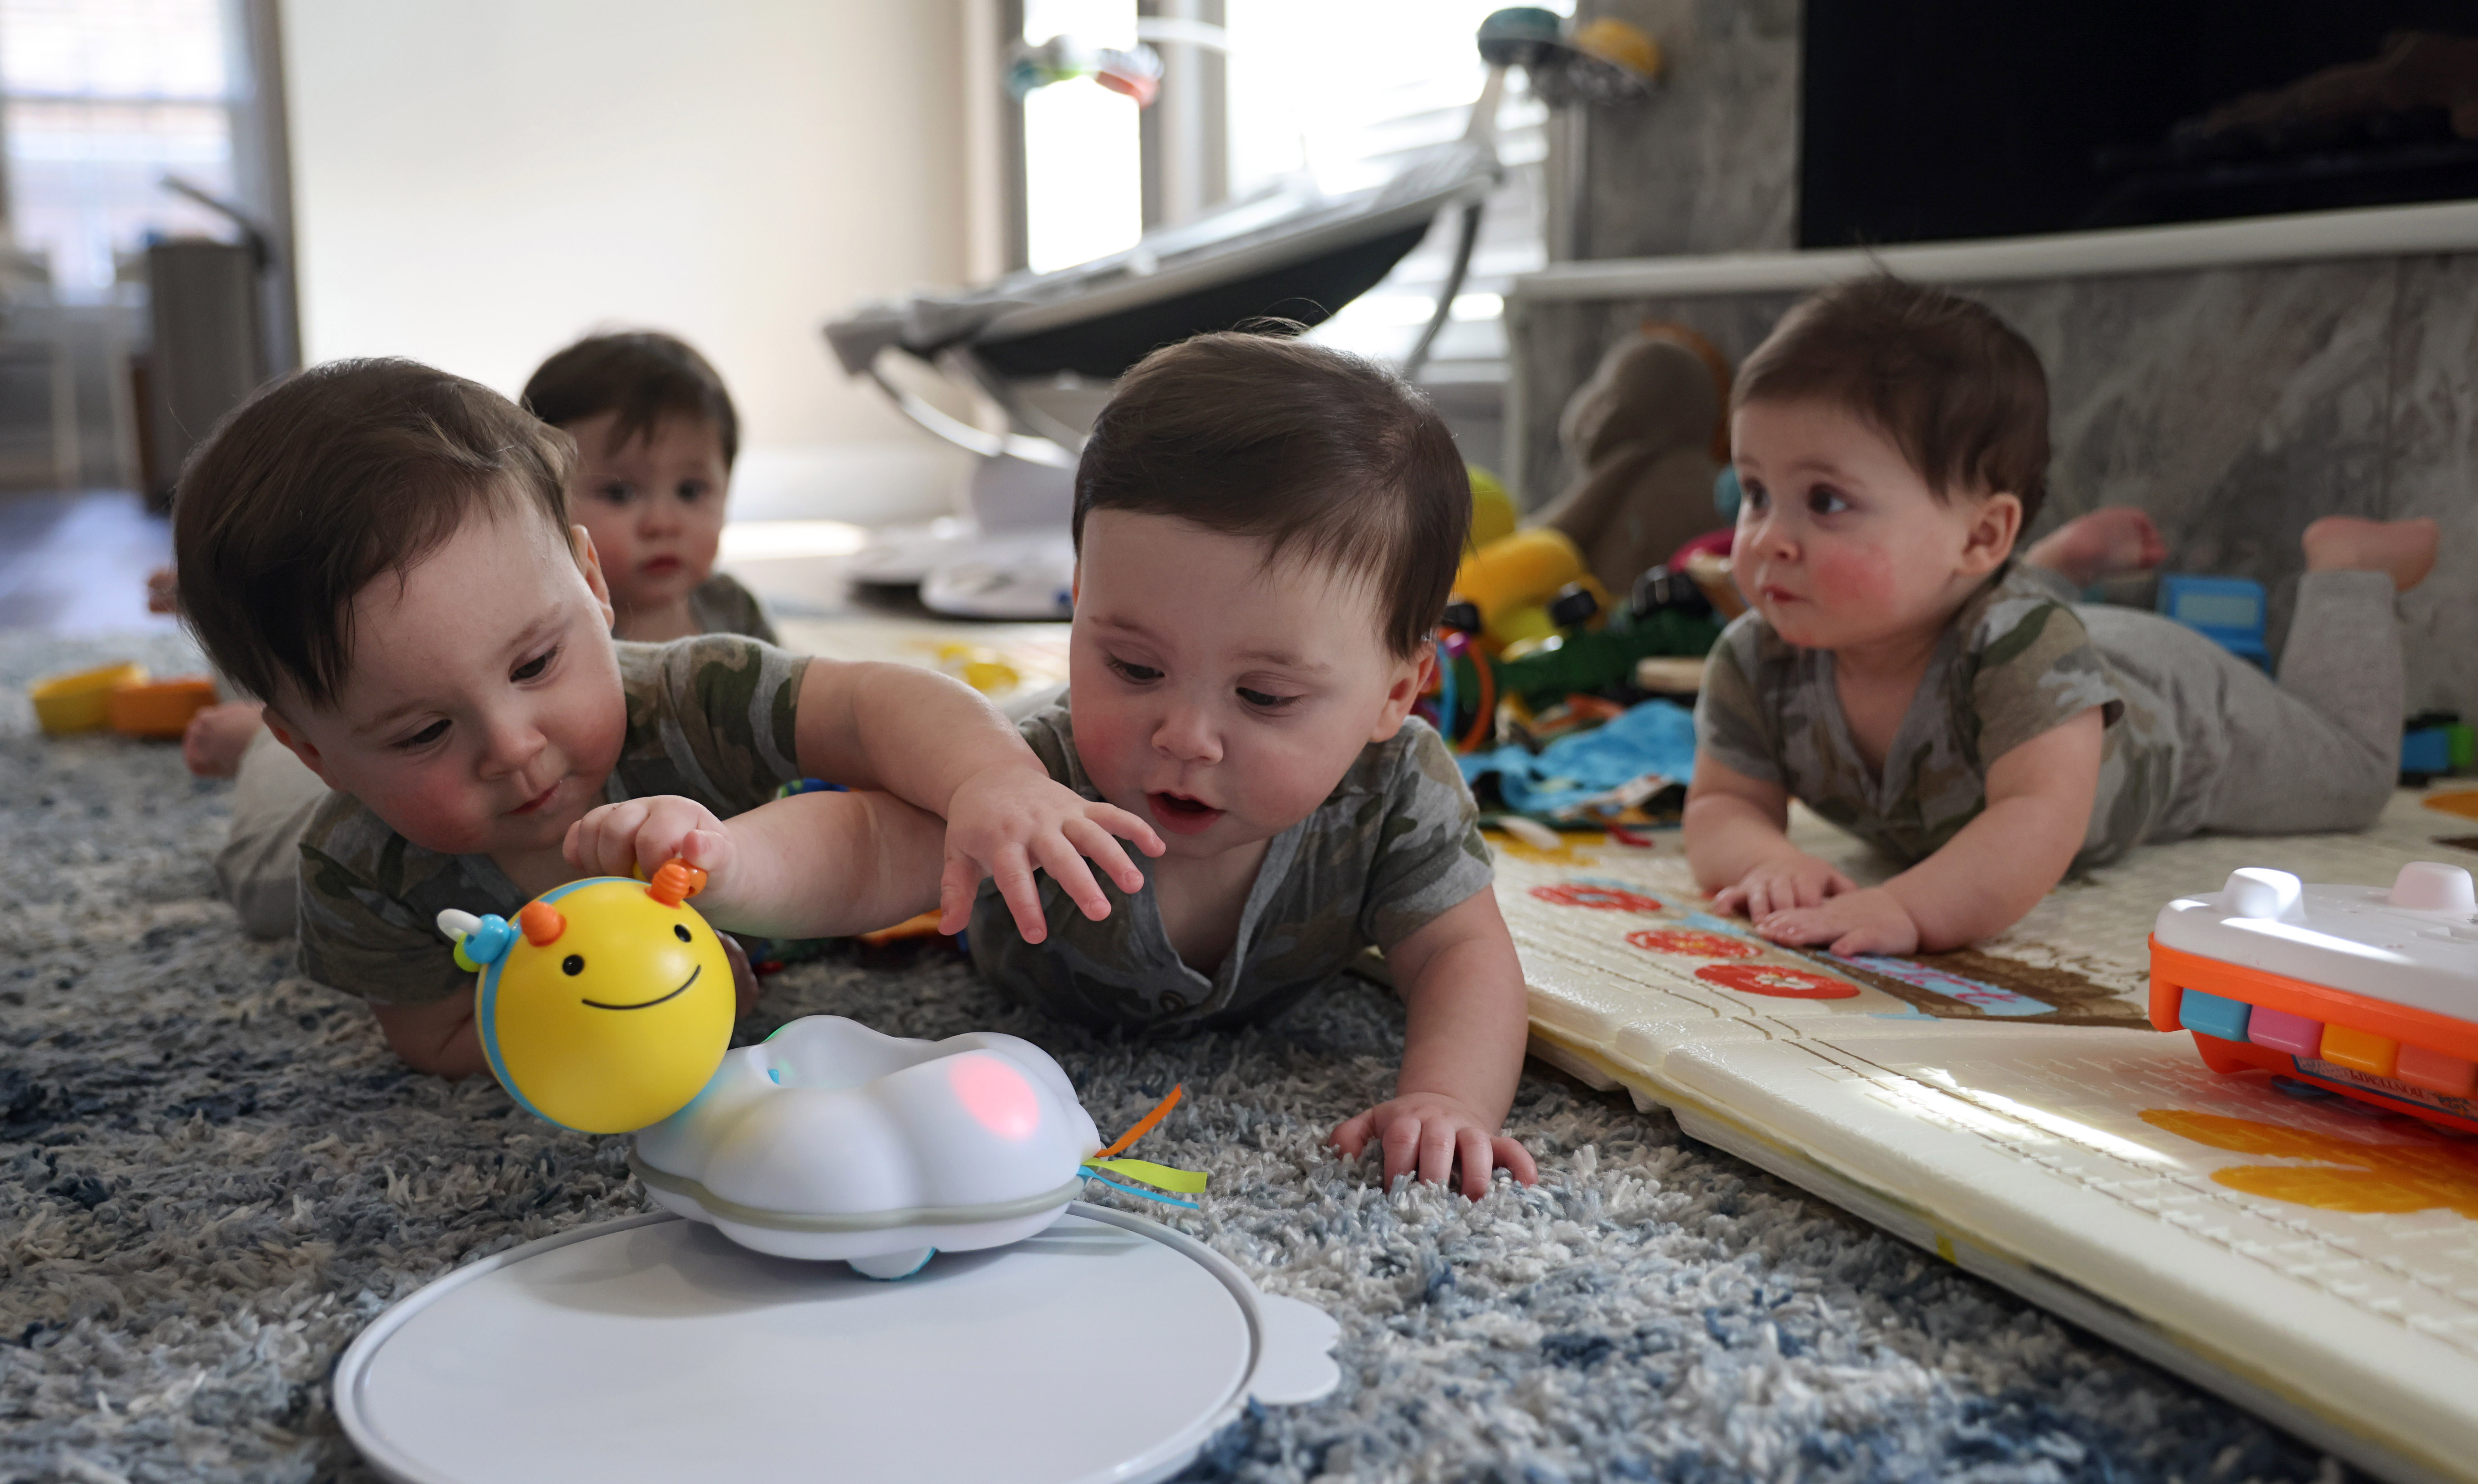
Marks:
<point>2213,1014</point>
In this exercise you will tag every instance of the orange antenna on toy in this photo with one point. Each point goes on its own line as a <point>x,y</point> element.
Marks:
<point>674,882</point>
<point>1145,1125</point>
<point>542,923</point>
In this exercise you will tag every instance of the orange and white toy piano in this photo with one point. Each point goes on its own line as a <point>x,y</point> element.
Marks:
<point>2370,991</point>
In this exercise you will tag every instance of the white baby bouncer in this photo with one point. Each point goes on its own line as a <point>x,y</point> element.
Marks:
<point>1294,249</point>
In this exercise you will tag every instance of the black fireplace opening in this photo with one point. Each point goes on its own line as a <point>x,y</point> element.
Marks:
<point>1925,120</point>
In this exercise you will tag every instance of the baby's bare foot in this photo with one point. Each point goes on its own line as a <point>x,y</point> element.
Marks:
<point>2403,550</point>
<point>2106,542</point>
<point>217,737</point>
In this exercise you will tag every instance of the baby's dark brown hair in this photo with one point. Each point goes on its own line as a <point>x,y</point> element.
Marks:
<point>328,480</point>
<point>1956,389</point>
<point>645,376</point>
<point>1316,452</point>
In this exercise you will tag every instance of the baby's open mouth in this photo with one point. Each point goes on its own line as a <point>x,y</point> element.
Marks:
<point>1181,815</point>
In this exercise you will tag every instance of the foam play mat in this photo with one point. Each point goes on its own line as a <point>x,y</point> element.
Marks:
<point>2310,1256</point>
<point>1108,1347</point>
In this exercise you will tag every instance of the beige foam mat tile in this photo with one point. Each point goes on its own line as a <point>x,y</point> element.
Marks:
<point>2316,1263</point>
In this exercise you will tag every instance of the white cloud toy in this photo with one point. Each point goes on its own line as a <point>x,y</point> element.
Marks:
<point>831,1141</point>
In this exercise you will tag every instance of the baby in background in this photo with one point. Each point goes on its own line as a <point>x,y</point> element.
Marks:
<point>656,434</point>
<point>1903,675</point>
<point>382,551</point>
<point>1266,532</point>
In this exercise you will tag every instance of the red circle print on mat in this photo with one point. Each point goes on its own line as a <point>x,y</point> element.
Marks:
<point>1593,894</point>
<point>1779,982</point>
<point>1692,943</point>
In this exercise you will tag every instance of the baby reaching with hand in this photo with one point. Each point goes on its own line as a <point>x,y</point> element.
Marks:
<point>1266,532</point>
<point>656,434</point>
<point>1904,677</point>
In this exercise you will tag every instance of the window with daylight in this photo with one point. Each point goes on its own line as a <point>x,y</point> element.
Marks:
<point>99,101</point>
<point>1249,105</point>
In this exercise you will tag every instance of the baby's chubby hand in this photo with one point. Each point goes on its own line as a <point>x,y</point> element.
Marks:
<point>1858,922</point>
<point>1427,1134</point>
<point>1004,821</point>
<point>1781,884</point>
<point>616,840</point>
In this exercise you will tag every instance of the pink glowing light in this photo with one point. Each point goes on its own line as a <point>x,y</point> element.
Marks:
<point>995,1095</point>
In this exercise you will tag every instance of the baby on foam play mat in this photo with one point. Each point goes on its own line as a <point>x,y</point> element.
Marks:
<point>1901,674</point>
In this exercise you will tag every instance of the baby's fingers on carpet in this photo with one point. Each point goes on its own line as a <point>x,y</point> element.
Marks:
<point>1516,1159</point>
<point>1437,1152</point>
<point>1351,1135</point>
<point>1402,1140</point>
<point>1471,1152</point>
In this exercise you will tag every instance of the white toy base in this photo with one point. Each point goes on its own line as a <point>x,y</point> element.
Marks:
<point>651,1348</point>
<point>865,1251</point>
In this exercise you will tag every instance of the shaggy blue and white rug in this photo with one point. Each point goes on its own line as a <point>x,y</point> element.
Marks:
<point>212,1175</point>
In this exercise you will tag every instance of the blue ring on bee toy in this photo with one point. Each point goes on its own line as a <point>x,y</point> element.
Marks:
<point>485,944</point>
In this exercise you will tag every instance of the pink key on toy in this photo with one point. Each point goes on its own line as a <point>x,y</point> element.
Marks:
<point>2282,1031</point>
<point>2451,1076</point>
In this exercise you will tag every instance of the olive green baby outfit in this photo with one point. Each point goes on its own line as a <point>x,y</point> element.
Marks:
<point>2196,739</point>
<point>1395,844</point>
<point>709,718</point>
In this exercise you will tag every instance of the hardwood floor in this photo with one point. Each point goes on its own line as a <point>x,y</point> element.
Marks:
<point>77,564</point>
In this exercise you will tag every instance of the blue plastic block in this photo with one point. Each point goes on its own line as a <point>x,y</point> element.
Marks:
<point>2213,1014</point>
<point>2226,610</point>
<point>2426,750</point>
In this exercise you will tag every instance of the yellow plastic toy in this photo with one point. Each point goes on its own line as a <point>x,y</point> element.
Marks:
<point>1512,580</point>
<point>1492,507</point>
<point>607,1004</point>
<point>81,703</point>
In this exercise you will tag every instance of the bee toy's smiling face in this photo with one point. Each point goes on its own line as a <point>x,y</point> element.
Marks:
<point>611,1010</point>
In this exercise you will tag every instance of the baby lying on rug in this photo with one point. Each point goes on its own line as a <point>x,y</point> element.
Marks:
<point>383,552</point>
<point>1900,673</point>
<point>656,434</point>
<point>1265,534</point>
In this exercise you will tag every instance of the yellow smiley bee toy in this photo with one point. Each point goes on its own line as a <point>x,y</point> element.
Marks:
<point>607,1005</point>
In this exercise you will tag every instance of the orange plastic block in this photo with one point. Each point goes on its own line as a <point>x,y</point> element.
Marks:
<point>2360,1051</point>
<point>160,708</point>
<point>2453,1076</point>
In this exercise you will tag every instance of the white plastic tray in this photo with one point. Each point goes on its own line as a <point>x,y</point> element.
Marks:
<point>1108,1348</point>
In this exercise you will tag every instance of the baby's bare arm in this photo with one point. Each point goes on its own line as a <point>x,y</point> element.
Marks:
<point>932,742</point>
<point>811,865</point>
<point>1462,1052</point>
<point>1737,846</point>
<point>438,1037</point>
<point>1992,871</point>
<point>2000,863</point>
<point>1734,823</point>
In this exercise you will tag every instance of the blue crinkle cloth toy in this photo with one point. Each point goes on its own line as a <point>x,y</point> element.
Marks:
<point>1651,737</point>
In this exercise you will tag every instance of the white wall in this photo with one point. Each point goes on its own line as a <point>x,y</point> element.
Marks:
<point>478,182</point>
